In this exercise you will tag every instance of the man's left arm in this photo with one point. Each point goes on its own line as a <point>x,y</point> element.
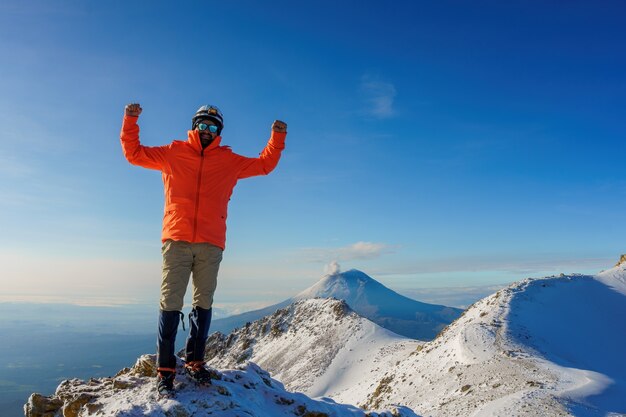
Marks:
<point>268,159</point>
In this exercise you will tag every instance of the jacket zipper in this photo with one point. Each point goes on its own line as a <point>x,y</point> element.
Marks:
<point>195,217</point>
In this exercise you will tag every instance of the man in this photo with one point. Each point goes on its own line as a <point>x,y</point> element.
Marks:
<point>199,176</point>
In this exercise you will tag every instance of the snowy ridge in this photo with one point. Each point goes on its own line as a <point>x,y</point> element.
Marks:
<point>316,346</point>
<point>549,346</point>
<point>248,391</point>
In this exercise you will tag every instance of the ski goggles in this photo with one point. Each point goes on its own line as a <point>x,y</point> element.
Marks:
<point>210,128</point>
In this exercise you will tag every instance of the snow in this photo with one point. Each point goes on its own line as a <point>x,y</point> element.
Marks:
<point>317,346</point>
<point>363,358</point>
<point>577,325</point>
<point>552,346</point>
<point>248,391</point>
<point>549,346</point>
<point>614,278</point>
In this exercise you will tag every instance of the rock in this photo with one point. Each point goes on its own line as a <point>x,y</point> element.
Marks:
<point>177,411</point>
<point>145,366</point>
<point>123,384</point>
<point>284,401</point>
<point>340,309</point>
<point>72,407</point>
<point>92,408</point>
<point>124,371</point>
<point>622,261</point>
<point>42,406</point>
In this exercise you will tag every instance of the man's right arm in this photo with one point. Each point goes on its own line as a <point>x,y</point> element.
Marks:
<point>134,151</point>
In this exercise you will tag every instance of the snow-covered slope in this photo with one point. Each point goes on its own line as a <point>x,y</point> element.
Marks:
<point>615,277</point>
<point>368,298</point>
<point>248,391</point>
<point>316,346</point>
<point>550,346</point>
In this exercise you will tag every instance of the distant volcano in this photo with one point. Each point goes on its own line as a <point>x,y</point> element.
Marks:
<point>370,299</point>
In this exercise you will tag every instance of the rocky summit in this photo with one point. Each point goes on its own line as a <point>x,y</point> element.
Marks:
<point>246,391</point>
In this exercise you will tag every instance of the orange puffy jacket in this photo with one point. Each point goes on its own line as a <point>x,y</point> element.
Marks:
<point>198,183</point>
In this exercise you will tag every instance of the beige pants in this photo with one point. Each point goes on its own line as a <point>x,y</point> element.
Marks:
<point>182,259</point>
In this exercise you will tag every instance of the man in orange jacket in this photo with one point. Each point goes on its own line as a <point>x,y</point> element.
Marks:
<point>199,176</point>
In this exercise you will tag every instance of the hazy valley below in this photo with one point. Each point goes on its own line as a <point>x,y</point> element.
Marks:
<point>43,344</point>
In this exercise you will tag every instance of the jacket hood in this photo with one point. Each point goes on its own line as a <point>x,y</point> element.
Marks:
<point>193,137</point>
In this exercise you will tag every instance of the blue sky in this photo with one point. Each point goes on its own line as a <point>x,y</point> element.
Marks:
<point>431,144</point>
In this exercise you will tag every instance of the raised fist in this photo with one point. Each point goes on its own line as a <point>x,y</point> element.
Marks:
<point>279,126</point>
<point>133,109</point>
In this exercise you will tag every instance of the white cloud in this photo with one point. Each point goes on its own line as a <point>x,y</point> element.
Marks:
<point>379,96</point>
<point>358,250</point>
<point>362,250</point>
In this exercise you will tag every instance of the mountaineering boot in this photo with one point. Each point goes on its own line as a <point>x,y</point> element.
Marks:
<point>166,360</point>
<point>199,323</point>
<point>165,383</point>
<point>199,373</point>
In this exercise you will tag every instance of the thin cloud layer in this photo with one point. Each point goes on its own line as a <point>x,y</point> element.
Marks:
<point>460,297</point>
<point>502,263</point>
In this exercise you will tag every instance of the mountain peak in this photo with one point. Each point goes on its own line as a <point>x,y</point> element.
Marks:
<point>351,277</point>
<point>622,261</point>
<point>352,274</point>
<point>309,344</point>
<point>373,300</point>
<point>367,297</point>
<point>334,272</point>
<point>341,285</point>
